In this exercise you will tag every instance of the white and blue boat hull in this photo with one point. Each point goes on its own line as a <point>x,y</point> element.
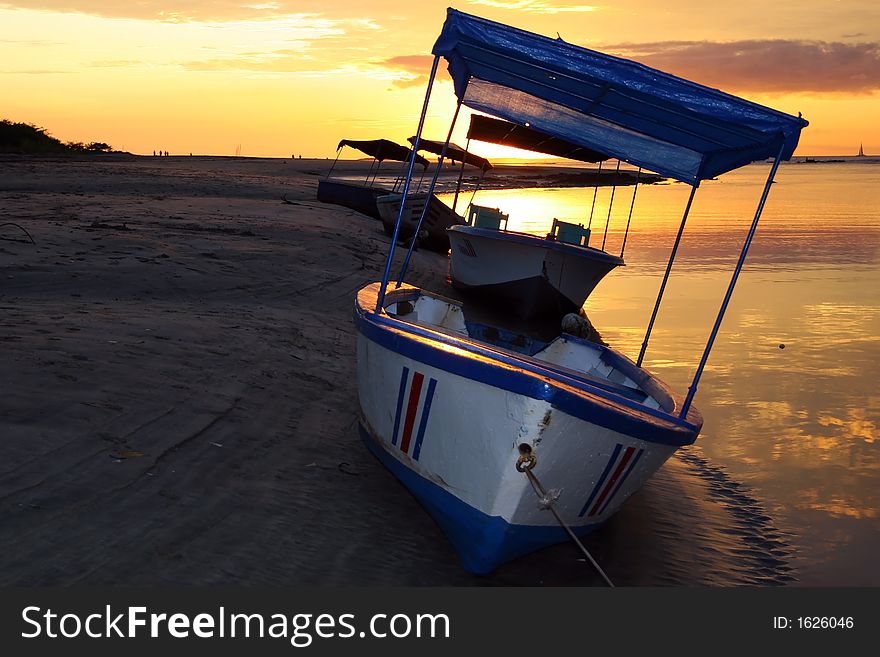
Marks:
<point>448,423</point>
<point>532,275</point>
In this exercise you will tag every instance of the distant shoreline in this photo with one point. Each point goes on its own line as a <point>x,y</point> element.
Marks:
<point>500,162</point>
<point>502,176</point>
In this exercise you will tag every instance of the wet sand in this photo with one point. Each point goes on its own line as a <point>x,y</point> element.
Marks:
<point>179,399</point>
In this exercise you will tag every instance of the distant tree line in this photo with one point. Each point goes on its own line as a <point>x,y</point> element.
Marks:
<point>28,138</point>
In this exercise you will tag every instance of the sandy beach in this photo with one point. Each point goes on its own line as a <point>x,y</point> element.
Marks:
<point>179,399</point>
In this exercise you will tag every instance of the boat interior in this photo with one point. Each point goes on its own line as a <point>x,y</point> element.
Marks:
<point>553,351</point>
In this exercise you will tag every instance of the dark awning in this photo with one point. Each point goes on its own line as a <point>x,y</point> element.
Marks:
<point>496,131</point>
<point>643,116</point>
<point>453,152</point>
<point>383,149</point>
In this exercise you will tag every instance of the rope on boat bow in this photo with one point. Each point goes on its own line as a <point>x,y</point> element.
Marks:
<point>547,499</point>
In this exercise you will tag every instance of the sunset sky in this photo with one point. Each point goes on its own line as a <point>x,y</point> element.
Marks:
<point>282,77</point>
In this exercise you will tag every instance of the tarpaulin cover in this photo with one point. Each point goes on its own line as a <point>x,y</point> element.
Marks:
<point>505,133</point>
<point>383,149</point>
<point>643,116</point>
<point>453,152</point>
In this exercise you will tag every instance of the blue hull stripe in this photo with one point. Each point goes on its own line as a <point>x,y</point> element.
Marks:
<point>601,481</point>
<point>483,542</point>
<point>426,410</point>
<point>403,379</point>
<point>622,479</point>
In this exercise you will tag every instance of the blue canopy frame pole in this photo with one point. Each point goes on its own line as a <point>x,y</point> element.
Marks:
<point>428,197</point>
<point>421,179</point>
<point>611,203</point>
<point>376,173</point>
<point>631,206</point>
<point>692,390</point>
<point>372,164</point>
<point>595,192</point>
<point>400,178</point>
<point>333,166</point>
<point>684,217</point>
<point>477,187</point>
<point>461,175</point>
<point>409,171</point>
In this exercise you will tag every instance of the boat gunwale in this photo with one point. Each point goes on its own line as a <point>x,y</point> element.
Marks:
<point>527,239</point>
<point>527,375</point>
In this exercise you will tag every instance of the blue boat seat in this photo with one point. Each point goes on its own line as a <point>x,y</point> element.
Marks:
<point>479,216</point>
<point>570,233</point>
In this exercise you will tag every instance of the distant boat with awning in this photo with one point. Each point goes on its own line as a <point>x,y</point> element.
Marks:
<point>362,196</point>
<point>526,274</point>
<point>524,137</point>
<point>438,216</point>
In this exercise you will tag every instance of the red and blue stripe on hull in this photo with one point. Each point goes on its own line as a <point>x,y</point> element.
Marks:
<point>410,395</point>
<point>619,467</point>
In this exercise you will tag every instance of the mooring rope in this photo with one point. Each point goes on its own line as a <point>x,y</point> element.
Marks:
<point>526,462</point>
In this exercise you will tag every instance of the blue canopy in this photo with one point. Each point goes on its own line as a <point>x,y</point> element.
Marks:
<point>638,114</point>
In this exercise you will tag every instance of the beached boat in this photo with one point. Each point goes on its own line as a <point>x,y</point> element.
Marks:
<point>446,409</point>
<point>438,216</point>
<point>513,441</point>
<point>530,275</point>
<point>362,196</point>
<point>437,219</point>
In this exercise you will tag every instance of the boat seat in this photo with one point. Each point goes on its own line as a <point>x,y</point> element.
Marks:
<point>570,233</point>
<point>594,378</point>
<point>479,216</point>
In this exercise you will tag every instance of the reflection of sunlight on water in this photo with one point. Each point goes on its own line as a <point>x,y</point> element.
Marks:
<point>842,320</point>
<point>800,423</point>
<point>835,506</point>
<point>857,425</point>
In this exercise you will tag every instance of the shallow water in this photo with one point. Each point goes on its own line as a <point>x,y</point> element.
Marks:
<point>793,429</point>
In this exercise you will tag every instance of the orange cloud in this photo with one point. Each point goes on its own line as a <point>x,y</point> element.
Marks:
<point>415,69</point>
<point>534,6</point>
<point>412,70</point>
<point>163,10</point>
<point>768,65</point>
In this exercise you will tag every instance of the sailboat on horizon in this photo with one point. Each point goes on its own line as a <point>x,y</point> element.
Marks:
<point>861,151</point>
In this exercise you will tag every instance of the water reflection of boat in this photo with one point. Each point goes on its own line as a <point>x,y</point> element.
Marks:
<point>491,428</point>
<point>362,196</point>
<point>550,275</point>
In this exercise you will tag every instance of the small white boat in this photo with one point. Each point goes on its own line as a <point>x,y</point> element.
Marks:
<point>459,408</point>
<point>362,196</point>
<point>447,412</point>
<point>532,275</point>
<point>431,222</point>
<point>527,274</point>
<point>437,219</point>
